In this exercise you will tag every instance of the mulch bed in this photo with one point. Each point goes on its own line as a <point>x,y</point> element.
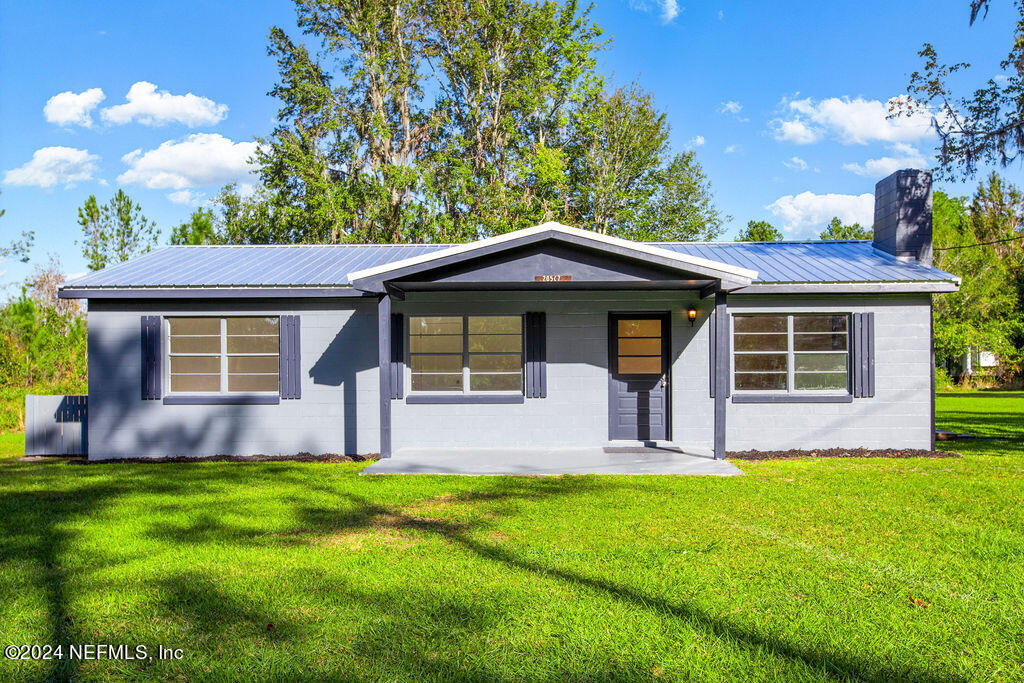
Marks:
<point>839,453</point>
<point>298,457</point>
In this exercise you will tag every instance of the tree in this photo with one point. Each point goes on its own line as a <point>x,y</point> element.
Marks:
<point>987,312</point>
<point>115,231</point>
<point>759,231</point>
<point>837,231</point>
<point>682,207</point>
<point>20,248</point>
<point>511,74</point>
<point>43,285</point>
<point>619,141</point>
<point>199,229</point>
<point>986,127</point>
<point>343,163</point>
<point>447,121</point>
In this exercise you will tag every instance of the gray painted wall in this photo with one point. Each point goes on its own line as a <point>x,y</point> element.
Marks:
<point>898,416</point>
<point>336,414</point>
<point>338,411</point>
<point>575,411</point>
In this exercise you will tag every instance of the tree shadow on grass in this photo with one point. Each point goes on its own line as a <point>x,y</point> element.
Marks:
<point>367,514</point>
<point>503,495</point>
<point>195,598</point>
<point>33,525</point>
<point>984,424</point>
<point>44,505</point>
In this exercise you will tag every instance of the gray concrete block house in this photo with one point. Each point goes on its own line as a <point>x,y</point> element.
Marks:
<point>540,338</point>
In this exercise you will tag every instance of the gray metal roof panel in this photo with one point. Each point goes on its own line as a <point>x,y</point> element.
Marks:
<point>329,265</point>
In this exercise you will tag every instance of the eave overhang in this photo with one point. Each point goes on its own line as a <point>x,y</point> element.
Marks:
<point>209,292</point>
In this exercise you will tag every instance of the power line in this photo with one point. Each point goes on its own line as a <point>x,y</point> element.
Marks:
<point>980,244</point>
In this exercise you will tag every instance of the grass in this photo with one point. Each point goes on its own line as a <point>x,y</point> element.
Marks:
<point>812,569</point>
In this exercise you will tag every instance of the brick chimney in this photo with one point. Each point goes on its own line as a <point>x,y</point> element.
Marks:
<point>903,215</point>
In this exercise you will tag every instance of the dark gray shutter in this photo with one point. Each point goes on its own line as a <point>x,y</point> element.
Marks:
<point>862,355</point>
<point>718,327</point>
<point>536,346</point>
<point>290,357</point>
<point>151,356</point>
<point>397,355</point>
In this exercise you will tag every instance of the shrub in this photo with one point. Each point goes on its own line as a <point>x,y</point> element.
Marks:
<point>42,350</point>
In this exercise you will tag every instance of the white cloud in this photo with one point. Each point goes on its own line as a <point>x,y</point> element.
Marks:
<point>73,109</point>
<point>730,107</point>
<point>54,166</point>
<point>196,160</point>
<point>721,15</point>
<point>668,9</point>
<point>795,131</point>
<point>188,197</point>
<point>904,156</point>
<point>733,149</point>
<point>796,163</point>
<point>850,121</point>
<point>806,211</point>
<point>152,108</point>
<point>734,108</point>
<point>695,142</point>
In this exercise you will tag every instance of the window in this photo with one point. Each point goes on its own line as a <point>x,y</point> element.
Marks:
<point>466,353</point>
<point>223,355</point>
<point>639,347</point>
<point>790,352</point>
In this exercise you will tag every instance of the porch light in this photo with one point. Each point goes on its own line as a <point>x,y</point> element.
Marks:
<point>691,313</point>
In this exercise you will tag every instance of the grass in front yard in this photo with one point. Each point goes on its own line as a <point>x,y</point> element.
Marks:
<point>807,569</point>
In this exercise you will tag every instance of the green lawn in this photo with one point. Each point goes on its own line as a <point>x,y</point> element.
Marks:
<point>813,569</point>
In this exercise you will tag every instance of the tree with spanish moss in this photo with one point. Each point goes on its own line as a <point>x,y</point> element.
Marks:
<point>985,127</point>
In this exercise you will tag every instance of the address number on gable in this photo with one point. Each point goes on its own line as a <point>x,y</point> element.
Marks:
<point>552,278</point>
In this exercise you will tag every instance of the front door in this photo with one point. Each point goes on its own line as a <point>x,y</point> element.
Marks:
<point>638,373</point>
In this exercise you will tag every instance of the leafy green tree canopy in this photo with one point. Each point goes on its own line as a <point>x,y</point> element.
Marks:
<point>759,231</point>
<point>837,231</point>
<point>404,121</point>
<point>115,231</point>
<point>199,229</point>
<point>977,240</point>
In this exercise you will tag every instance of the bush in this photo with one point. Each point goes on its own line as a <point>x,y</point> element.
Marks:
<point>42,351</point>
<point>943,382</point>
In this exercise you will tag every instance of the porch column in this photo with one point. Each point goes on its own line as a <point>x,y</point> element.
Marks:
<point>384,372</point>
<point>721,371</point>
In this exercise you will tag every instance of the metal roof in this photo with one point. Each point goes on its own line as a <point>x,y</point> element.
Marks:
<point>817,261</point>
<point>329,265</point>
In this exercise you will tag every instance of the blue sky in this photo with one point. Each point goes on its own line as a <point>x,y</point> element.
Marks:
<point>784,102</point>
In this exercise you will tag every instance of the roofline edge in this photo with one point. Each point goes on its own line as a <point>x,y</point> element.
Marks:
<point>210,293</point>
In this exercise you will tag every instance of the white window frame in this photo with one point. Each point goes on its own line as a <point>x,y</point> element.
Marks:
<point>466,354</point>
<point>223,391</point>
<point>790,355</point>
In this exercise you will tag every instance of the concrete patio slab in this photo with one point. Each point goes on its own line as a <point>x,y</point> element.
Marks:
<point>547,461</point>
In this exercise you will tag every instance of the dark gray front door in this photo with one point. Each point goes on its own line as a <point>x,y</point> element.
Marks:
<point>638,373</point>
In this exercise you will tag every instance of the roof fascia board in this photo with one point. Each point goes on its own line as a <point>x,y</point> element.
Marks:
<point>926,286</point>
<point>371,278</point>
<point>209,292</point>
